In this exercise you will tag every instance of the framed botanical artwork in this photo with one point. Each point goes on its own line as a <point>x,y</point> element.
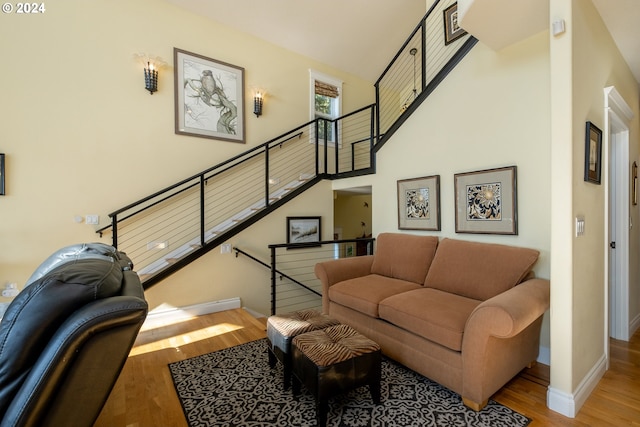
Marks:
<point>1,174</point>
<point>486,201</point>
<point>593,154</point>
<point>209,97</point>
<point>452,31</point>
<point>303,229</point>
<point>419,203</point>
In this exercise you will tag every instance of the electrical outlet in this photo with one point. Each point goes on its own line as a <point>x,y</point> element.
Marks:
<point>225,248</point>
<point>92,219</point>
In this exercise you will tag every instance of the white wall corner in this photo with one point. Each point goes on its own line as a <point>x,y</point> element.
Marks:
<point>569,404</point>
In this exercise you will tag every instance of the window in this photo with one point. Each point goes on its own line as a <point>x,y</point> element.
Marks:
<point>325,103</point>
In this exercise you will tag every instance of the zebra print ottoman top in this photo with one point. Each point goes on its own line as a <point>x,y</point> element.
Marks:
<point>334,344</point>
<point>283,327</point>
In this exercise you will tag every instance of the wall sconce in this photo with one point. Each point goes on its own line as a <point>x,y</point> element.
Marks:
<point>257,104</point>
<point>150,78</point>
<point>151,67</point>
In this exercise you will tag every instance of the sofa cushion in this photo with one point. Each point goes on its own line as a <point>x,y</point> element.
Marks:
<point>478,270</point>
<point>404,256</point>
<point>364,293</point>
<point>430,313</point>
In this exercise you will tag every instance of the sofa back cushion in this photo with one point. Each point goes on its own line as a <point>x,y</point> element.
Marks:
<point>478,270</point>
<point>404,256</point>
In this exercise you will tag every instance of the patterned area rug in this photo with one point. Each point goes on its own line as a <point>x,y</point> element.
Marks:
<point>236,387</point>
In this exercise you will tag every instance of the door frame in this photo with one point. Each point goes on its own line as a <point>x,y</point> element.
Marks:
<point>616,146</point>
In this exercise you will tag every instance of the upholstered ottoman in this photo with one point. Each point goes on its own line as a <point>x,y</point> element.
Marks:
<point>281,329</point>
<point>333,361</point>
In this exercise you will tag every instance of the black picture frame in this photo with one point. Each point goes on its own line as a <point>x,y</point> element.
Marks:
<point>452,31</point>
<point>304,230</point>
<point>592,154</point>
<point>2,180</point>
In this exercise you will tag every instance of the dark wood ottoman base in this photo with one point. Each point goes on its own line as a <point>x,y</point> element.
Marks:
<point>334,361</point>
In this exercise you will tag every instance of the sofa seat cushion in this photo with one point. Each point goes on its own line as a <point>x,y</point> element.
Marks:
<point>404,256</point>
<point>430,313</point>
<point>364,293</point>
<point>478,270</point>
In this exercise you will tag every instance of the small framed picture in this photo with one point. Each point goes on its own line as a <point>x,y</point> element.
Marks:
<point>486,201</point>
<point>593,154</point>
<point>349,250</point>
<point>452,31</point>
<point>419,203</point>
<point>303,229</point>
<point>209,97</point>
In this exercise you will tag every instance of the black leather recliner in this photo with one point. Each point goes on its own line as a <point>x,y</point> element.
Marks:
<point>65,338</point>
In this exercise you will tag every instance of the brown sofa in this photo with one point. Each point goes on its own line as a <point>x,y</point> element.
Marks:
<point>464,314</point>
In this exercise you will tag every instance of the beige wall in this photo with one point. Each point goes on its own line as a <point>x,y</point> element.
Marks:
<point>583,62</point>
<point>587,58</point>
<point>83,136</point>
<point>486,114</point>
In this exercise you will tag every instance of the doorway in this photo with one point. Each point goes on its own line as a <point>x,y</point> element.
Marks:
<point>617,116</point>
<point>352,213</point>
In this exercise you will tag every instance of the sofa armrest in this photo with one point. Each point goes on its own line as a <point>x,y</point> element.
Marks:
<point>502,336</point>
<point>338,270</point>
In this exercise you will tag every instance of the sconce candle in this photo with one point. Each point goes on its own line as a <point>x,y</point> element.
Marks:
<point>257,104</point>
<point>150,78</point>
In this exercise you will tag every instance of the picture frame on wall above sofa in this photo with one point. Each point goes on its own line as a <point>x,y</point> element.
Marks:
<point>486,201</point>
<point>304,229</point>
<point>419,203</point>
<point>209,97</point>
<point>452,31</point>
<point>593,154</point>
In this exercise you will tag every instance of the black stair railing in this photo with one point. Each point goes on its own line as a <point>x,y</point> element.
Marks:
<point>171,227</point>
<point>423,61</point>
<point>294,285</point>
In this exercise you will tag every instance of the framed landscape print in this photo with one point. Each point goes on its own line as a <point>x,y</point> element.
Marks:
<point>486,201</point>
<point>419,203</point>
<point>209,97</point>
<point>303,229</point>
<point>593,154</point>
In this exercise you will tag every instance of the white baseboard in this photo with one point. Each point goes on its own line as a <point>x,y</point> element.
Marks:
<point>254,313</point>
<point>166,316</point>
<point>569,404</point>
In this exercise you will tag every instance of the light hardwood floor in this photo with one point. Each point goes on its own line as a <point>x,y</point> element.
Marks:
<point>144,395</point>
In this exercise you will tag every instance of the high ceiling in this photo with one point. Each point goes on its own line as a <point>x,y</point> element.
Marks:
<point>342,33</point>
